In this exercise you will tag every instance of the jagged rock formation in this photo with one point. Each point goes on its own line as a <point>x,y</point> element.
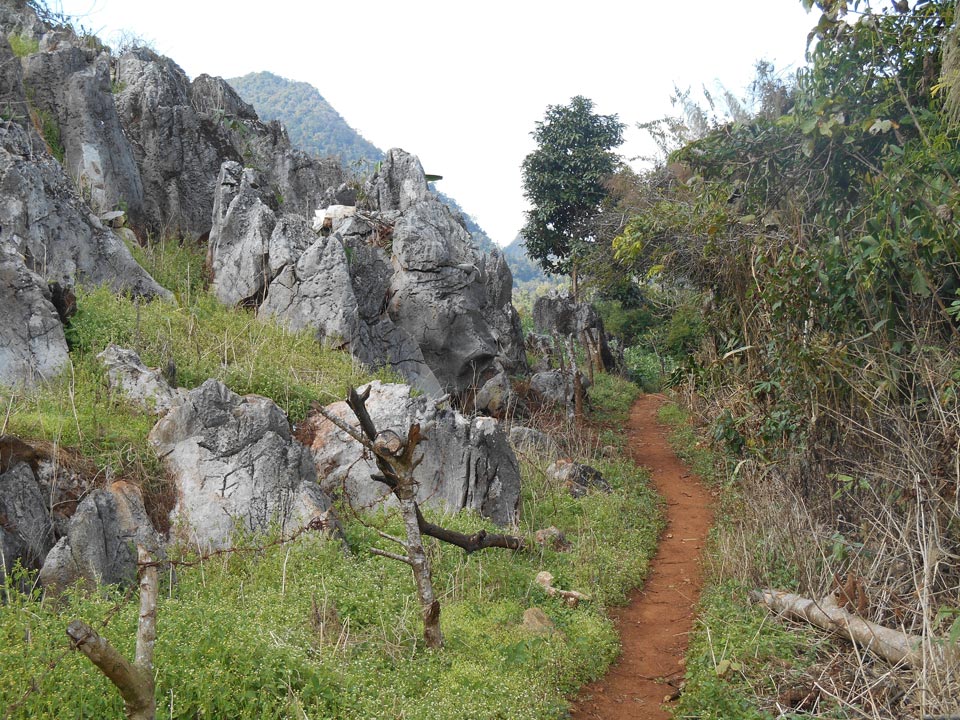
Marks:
<point>559,313</point>
<point>236,467</point>
<point>32,343</point>
<point>70,83</point>
<point>467,463</point>
<point>430,309</point>
<point>100,544</point>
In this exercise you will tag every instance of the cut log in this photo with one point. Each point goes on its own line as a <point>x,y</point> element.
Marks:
<point>893,646</point>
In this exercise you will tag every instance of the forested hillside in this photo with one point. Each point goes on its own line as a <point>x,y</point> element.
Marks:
<point>311,122</point>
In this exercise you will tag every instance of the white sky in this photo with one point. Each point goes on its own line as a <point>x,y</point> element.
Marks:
<point>462,84</point>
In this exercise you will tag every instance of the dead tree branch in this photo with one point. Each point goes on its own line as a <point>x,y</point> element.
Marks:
<point>133,680</point>
<point>893,646</point>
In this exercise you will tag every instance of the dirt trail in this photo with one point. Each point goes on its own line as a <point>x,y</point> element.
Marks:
<point>654,627</point>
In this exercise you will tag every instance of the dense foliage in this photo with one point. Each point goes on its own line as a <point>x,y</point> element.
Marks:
<point>312,123</point>
<point>823,242</point>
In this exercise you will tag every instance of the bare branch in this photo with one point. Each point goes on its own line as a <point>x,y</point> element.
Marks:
<point>391,556</point>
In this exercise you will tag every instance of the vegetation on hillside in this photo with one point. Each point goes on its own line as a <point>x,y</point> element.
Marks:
<point>312,123</point>
<point>817,240</point>
<point>313,627</point>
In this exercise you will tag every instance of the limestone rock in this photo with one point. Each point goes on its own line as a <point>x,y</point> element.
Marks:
<point>239,245</point>
<point>143,386</point>
<point>399,184</point>
<point>467,463</point>
<point>557,312</point>
<point>236,467</point>
<point>32,344</point>
<point>42,219</point>
<point>438,296</point>
<point>13,101</point>
<point>177,151</point>
<point>70,82</point>
<point>502,317</point>
<point>579,479</point>
<point>496,398</point>
<point>26,532</point>
<point>552,386</point>
<point>100,544</point>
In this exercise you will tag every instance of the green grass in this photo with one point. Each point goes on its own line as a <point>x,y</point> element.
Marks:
<point>23,45</point>
<point>612,396</point>
<point>237,636</point>
<point>685,442</point>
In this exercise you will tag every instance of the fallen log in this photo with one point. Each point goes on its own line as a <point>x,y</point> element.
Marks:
<point>894,646</point>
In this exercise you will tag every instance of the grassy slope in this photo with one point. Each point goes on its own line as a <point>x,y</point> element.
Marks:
<point>306,629</point>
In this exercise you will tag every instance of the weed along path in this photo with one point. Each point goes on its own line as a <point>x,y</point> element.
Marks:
<point>655,626</point>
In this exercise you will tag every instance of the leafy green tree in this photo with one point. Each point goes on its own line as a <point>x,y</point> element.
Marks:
<point>564,181</point>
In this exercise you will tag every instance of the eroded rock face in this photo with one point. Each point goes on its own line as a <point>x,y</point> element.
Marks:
<point>26,532</point>
<point>236,467</point>
<point>400,184</point>
<point>502,317</point>
<point>32,344</point>
<point>70,81</point>
<point>178,154</point>
<point>42,219</point>
<point>143,386</point>
<point>438,295</point>
<point>558,313</point>
<point>100,546</point>
<point>467,463</point>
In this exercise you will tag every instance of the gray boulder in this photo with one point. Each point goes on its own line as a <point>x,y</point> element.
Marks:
<point>496,397</point>
<point>438,296</point>
<point>142,386</point>
<point>70,83</point>
<point>236,467</point>
<point>399,184</point>
<point>32,344</point>
<point>558,313</point>
<point>527,440</point>
<point>552,386</point>
<point>577,478</point>
<point>321,290</point>
<point>100,546</point>
<point>26,532</point>
<point>467,463</point>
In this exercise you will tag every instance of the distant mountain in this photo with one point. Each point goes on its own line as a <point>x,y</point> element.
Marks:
<point>315,127</point>
<point>311,122</point>
<point>524,269</point>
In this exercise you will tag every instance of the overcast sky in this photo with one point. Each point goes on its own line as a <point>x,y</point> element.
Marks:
<point>462,84</point>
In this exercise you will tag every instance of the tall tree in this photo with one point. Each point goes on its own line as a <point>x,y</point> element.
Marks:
<point>564,181</point>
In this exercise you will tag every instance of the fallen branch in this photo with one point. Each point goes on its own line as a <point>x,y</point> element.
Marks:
<point>572,597</point>
<point>133,680</point>
<point>893,646</point>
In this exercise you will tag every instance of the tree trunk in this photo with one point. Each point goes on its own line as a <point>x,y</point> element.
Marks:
<point>133,680</point>
<point>420,563</point>
<point>893,646</point>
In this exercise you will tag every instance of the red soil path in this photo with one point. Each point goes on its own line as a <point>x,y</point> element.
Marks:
<point>654,627</point>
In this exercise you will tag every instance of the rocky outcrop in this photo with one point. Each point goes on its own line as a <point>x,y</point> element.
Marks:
<point>43,219</point>
<point>552,386</point>
<point>236,468</point>
<point>530,440</point>
<point>26,532</point>
<point>100,546</point>
<point>70,85</point>
<point>178,154</point>
<point>145,387</point>
<point>559,313</point>
<point>32,344</point>
<point>400,183</point>
<point>502,317</point>
<point>467,463</point>
<point>239,245</point>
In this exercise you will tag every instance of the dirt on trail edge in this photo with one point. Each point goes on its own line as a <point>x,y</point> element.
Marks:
<point>655,626</point>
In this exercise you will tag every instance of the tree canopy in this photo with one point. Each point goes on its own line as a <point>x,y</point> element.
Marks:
<point>564,181</point>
